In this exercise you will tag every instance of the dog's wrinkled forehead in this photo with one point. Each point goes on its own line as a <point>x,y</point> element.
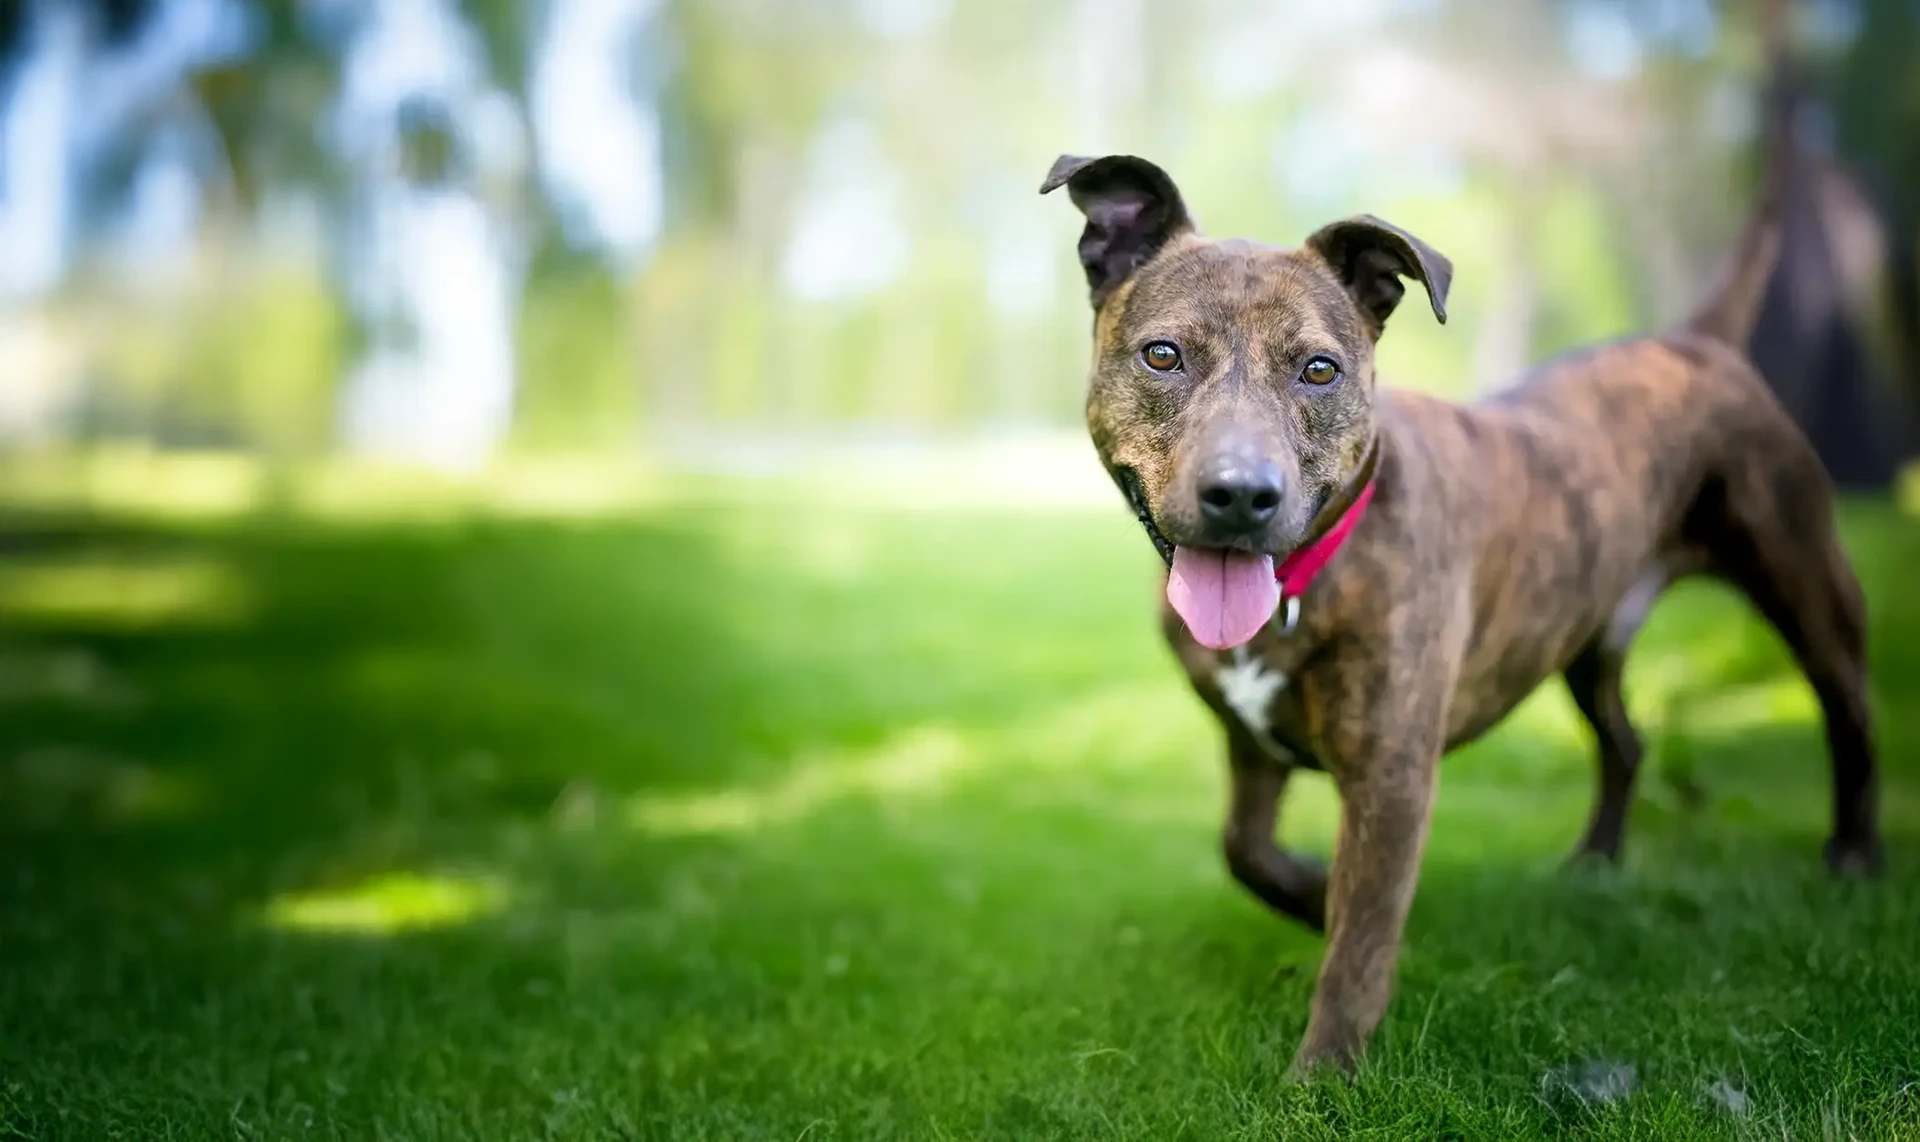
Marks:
<point>1239,291</point>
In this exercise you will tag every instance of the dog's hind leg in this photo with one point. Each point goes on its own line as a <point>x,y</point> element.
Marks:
<point>1593,678</point>
<point>1290,884</point>
<point>1778,543</point>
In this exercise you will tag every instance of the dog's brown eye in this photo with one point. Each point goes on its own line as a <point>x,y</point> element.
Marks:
<point>1161,356</point>
<point>1320,371</point>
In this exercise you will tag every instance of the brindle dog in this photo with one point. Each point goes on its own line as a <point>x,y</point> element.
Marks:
<point>1232,398</point>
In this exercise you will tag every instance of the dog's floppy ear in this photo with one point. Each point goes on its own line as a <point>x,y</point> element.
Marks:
<point>1370,257</point>
<point>1132,209</point>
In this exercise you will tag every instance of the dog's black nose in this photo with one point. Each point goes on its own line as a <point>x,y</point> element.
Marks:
<point>1238,496</point>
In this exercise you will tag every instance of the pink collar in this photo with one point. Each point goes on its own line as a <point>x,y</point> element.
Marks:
<point>1297,570</point>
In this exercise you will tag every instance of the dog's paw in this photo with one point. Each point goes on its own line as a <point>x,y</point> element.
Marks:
<point>1305,1074</point>
<point>1853,858</point>
<point>1588,863</point>
<point>1312,1065</point>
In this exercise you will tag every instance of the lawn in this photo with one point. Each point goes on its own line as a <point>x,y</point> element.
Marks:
<point>741,813</point>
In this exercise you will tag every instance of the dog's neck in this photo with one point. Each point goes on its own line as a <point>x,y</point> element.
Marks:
<point>1328,533</point>
<point>1348,496</point>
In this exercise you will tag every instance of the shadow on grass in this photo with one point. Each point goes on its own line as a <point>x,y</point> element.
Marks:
<point>722,826</point>
<point>303,679</point>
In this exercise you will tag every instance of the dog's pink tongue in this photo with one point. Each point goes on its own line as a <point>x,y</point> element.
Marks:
<point>1224,596</point>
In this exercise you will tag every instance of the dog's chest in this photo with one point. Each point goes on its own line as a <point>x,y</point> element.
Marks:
<point>1255,686</point>
<point>1248,686</point>
<point>1258,687</point>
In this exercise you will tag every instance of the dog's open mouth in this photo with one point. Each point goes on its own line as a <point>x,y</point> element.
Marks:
<point>1223,596</point>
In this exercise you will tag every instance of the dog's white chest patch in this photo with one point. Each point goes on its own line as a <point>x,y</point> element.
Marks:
<point>1248,687</point>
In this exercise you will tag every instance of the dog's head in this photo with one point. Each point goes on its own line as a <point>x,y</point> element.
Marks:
<point>1232,392</point>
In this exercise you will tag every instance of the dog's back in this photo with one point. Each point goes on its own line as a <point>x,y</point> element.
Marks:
<point>1598,478</point>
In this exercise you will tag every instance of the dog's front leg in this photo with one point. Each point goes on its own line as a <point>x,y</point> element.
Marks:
<point>1376,862</point>
<point>1293,885</point>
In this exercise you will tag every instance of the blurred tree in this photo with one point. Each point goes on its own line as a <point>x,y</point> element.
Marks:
<point>859,122</point>
<point>1875,85</point>
<point>270,107</point>
<point>1836,335</point>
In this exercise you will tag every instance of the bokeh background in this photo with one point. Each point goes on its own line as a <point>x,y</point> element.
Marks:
<point>552,584</point>
<point>716,233</point>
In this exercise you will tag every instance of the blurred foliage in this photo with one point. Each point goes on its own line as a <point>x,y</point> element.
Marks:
<point>576,358</point>
<point>1876,94</point>
<point>255,365</point>
<point>1579,196</point>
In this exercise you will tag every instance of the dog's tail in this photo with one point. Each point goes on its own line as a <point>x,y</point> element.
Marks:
<point>1732,307</point>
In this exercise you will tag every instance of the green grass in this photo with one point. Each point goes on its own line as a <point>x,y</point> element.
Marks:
<point>738,818</point>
